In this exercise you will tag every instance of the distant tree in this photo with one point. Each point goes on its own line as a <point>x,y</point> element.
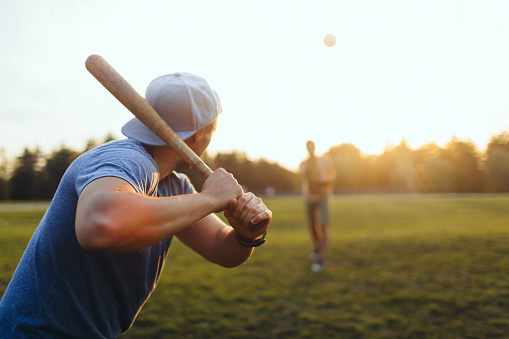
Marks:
<point>380,170</point>
<point>26,178</point>
<point>350,167</point>
<point>109,137</point>
<point>243,169</point>
<point>91,144</point>
<point>466,160</point>
<point>440,175</point>
<point>403,176</point>
<point>270,174</point>
<point>421,157</point>
<point>435,173</point>
<point>393,170</point>
<point>496,166</point>
<point>56,165</point>
<point>4,176</point>
<point>234,163</point>
<point>372,178</point>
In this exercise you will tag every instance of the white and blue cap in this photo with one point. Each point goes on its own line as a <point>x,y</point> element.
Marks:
<point>185,101</point>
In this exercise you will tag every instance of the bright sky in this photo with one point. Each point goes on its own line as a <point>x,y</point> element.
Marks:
<point>416,70</point>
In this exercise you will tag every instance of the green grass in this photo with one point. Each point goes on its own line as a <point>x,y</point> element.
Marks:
<point>16,227</point>
<point>399,266</point>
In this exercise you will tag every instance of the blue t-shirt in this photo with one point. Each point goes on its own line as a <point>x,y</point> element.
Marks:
<point>60,289</point>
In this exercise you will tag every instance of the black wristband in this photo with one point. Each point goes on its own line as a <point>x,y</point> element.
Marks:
<point>244,242</point>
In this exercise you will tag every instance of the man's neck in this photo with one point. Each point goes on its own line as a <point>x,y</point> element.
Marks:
<point>166,160</point>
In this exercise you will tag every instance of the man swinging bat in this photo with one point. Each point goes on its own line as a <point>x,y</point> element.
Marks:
<point>98,252</point>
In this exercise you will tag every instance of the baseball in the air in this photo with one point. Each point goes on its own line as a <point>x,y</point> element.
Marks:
<point>329,40</point>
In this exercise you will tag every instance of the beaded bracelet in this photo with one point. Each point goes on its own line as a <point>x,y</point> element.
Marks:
<point>248,242</point>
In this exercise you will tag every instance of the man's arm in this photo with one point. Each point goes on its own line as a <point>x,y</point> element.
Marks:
<point>112,216</point>
<point>302,169</point>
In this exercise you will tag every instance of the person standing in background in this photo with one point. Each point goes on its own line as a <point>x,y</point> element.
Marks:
<point>317,175</point>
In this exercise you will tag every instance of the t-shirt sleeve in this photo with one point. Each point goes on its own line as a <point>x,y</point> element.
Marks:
<point>130,165</point>
<point>187,186</point>
<point>176,184</point>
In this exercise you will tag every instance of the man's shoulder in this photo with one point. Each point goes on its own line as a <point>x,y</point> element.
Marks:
<point>122,144</point>
<point>125,150</point>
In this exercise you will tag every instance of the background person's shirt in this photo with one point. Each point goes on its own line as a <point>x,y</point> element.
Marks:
<point>317,175</point>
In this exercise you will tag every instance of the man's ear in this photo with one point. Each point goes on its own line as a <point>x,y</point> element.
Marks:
<point>198,135</point>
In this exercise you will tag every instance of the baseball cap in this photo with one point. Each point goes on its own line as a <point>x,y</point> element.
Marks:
<point>185,101</point>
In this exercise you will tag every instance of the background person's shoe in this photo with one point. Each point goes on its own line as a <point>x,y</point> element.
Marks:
<point>317,267</point>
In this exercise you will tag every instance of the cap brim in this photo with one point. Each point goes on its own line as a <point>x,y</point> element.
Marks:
<point>135,129</point>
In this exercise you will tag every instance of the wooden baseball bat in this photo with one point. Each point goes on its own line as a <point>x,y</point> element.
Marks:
<point>140,107</point>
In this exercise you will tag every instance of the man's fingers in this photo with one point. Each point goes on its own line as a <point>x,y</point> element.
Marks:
<point>253,208</point>
<point>233,205</point>
<point>256,227</point>
<point>249,213</point>
<point>260,220</point>
<point>242,208</point>
<point>265,215</point>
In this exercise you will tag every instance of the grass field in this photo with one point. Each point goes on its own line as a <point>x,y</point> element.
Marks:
<point>400,266</point>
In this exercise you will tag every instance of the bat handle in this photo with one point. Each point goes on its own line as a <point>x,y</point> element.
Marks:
<point>202,168</point>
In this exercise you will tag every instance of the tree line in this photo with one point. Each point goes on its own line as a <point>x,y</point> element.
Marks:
<point>458,167</point>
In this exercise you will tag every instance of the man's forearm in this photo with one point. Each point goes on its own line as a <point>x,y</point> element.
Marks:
<point>215,241</point>
<point>232,254</point>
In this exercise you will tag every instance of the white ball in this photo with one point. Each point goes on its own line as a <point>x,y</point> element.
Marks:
<point>329,40</point>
